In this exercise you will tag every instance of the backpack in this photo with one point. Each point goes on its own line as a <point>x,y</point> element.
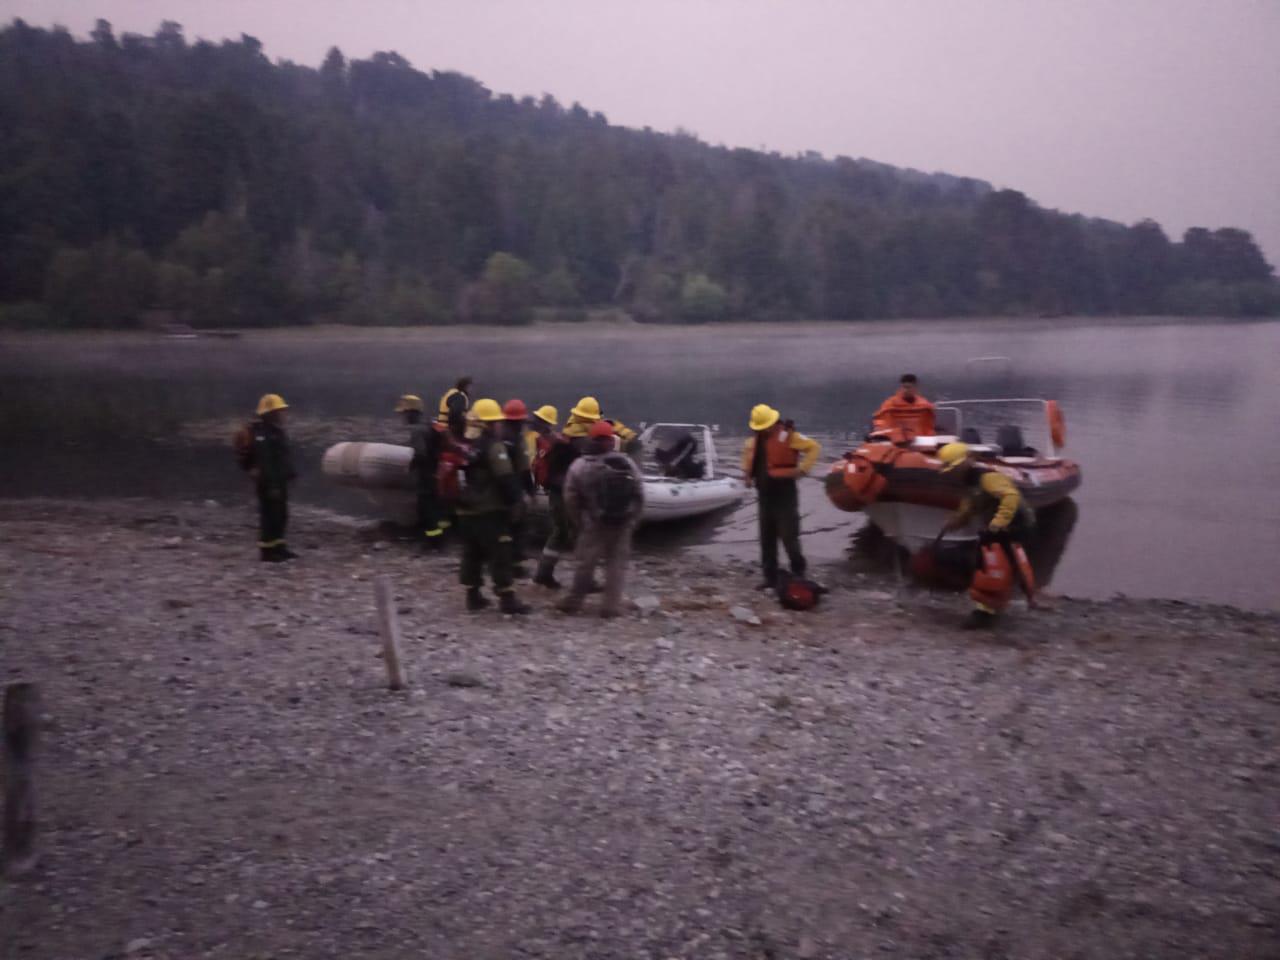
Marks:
<point>451,471</point>
<point>797,593</point>
<point>242,447</point>
<point>615,490</point>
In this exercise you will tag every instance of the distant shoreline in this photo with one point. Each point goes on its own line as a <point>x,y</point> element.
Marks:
<point>537,330</point>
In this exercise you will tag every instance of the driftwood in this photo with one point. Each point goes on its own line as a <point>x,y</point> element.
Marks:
<point>389,623</point>
<point>21,710</point>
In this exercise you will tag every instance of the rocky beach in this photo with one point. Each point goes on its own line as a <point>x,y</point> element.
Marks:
<point>223,772</point>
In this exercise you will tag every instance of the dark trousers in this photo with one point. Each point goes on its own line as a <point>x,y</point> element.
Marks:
<point>779,516</point>
<point>486,542</point>
<point>273,517</point>
<point>429,512</point>
<point>561,537</point>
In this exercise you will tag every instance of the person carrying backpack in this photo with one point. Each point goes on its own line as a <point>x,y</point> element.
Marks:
<point>262,450</point>
<point>603,497</point>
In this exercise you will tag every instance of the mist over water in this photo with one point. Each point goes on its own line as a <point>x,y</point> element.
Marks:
<point>1172,423</point>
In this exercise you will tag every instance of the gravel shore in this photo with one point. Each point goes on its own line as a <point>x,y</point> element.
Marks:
<point>223,772</point>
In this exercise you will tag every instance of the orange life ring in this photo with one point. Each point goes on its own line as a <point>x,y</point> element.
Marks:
<point>1057,423</point>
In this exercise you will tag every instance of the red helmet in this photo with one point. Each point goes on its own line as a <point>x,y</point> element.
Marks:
<point>515,410</point>
<point>601,428</point>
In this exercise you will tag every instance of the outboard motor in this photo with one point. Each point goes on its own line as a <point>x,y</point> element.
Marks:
<point>1009,440</point>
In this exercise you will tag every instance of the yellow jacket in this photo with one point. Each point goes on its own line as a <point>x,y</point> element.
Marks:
<point>578,427</point>
<point>994,490</point>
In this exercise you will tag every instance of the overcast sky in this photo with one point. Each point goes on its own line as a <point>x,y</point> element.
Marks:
<point>1119,108</point>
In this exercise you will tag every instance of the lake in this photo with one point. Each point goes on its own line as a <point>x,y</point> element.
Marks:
<point>1169,420</point>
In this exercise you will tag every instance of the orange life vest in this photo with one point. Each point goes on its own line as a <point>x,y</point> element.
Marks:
<point>780,458</point>
<point>915,415</point>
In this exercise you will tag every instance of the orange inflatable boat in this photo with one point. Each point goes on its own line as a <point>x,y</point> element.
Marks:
<point>897,479</point>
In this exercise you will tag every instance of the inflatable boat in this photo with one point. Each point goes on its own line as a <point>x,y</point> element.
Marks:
<point>679,467</point>
<point>899,484</point>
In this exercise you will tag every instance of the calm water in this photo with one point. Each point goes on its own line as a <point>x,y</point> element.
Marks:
<point>1174,424</point>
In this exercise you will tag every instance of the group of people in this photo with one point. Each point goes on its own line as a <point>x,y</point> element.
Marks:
<point>477,463</point>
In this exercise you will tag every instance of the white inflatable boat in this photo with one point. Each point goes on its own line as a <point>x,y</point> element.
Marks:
<point>680,478</point>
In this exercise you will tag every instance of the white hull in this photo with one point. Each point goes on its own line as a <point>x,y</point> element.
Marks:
<point>381,470</point>
<point>912,525</point>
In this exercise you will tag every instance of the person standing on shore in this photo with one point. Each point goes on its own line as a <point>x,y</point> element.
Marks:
<point>454,406</point>
<point>603,497</point>
<point>270,464</point>
<point>513,435</point>
<point>488,493</point>
<point>774,457</point>
<point>562,450</point>
<point>424,438</point>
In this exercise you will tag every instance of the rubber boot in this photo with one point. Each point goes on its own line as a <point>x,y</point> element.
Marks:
<point>270,555</point>
<point>545,575</point>
<point>509,603</point>
<point>285,553</point>
<point>979,620</point>
<point>476,601</point>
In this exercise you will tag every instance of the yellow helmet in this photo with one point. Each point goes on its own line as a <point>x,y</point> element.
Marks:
<point>763,416</point>
<point>548,414</point>
<point>588,408</point>
<point>952,455</point>
<point>271,402</point>
<point>408,402</point>
<point>487,410</point>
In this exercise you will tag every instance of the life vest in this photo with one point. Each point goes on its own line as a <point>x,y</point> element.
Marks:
<point>914,415</point>
<point>442,415</point>
<point>861,478</point>
<point>780,458</point>
<point>451,471</point>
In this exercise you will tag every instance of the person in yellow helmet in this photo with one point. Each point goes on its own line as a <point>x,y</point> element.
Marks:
<point>490,491</point>
<point>424,439</point>
<point>454,405</point>
<point>773,458</point>
<point>270,464</point>
<point>1006,522</point>
<point>583,415</point>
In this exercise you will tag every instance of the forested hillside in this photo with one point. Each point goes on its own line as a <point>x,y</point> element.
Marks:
<point>152,176</point>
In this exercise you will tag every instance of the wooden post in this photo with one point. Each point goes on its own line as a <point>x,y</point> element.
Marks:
<point>21,708</point>
<point>390,624</point>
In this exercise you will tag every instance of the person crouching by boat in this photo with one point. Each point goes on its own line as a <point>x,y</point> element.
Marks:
<point>604,497</point>
<point>775,456</point>
<point>1006,522</point>
<point>270,464</point>
<point>906,410</point>
<point>488,491</point>
<point>424,438</point>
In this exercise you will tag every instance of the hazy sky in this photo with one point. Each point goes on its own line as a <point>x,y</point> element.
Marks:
<point>1117,108</point>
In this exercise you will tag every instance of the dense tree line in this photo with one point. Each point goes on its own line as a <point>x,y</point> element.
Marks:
<point>152,176</point>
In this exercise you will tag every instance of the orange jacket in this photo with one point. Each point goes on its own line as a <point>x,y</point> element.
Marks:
<point>916,415</point>
<point>789,453</point>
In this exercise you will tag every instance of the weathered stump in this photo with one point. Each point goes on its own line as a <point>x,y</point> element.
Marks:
<point>389,622</point>
<point>21,711</point>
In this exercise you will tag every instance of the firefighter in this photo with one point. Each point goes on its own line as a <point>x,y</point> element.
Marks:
<point>453,407</point>
<point>603,497</point>
<point>271,467</point>
<point>484,504</point>
<point>1006,522</point>
<point>562,450</point>
<point>424,438</point>
<point>906,409</point>
<point>774,457</point>
<point>512,431</point>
